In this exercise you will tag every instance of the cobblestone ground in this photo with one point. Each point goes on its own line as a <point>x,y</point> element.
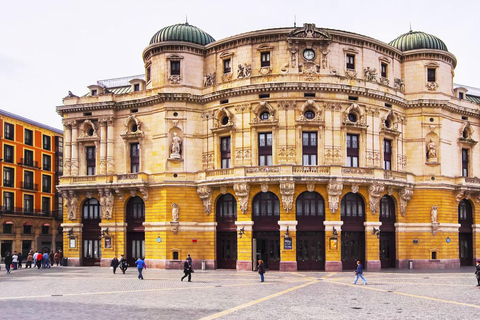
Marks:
<point>96,293</point>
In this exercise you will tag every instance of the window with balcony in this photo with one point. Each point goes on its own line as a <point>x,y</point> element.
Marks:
<point>225,152</point>
<point>175,68</point>
<point>265,59</point>
<point>27,180</point>
<point>28,203</point>
<point>309,148</point>
<point>45,204</point>
<point>227,65</point>
<point>46,183</point>
<point>265,149</point>
<point>431,74</point>
<point>47,142</point>
<point>29,137</point>
<point>350,61</point>
<point>8,153</point>
<point>8,177</point>
<point>8,131</point>
<point>352,150</point>
<point>91,161</point>
<point>47,162</point>
<point>465,162</point>
<point>8,201</point>
<point>134,157</point>
<point>387,154</point>
<point>28,158</point>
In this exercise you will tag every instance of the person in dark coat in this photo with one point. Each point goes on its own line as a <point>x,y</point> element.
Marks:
<point>261,270</point>
<point>477,273</point>
<point>114,264</point>
<point>8,261</point>
<point>20,260</point>
<point>123,264</point>
<point>359,273</point>
<point>187,270</point>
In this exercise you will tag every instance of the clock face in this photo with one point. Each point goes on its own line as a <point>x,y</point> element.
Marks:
<point>309,54</point>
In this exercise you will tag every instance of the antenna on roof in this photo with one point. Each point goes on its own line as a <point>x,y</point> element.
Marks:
<point>186,19</point>
<point>295,21</point>
<point>410,26</point>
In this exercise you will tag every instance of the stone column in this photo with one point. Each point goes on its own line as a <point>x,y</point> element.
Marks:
<point>372,246</point>
<point>288,257</point>
<point>333,249</point>
<point>67,149</point>
<point>74,161</point>
<point>244,245</point>
<point>103,146</point>
<point>110,146</point>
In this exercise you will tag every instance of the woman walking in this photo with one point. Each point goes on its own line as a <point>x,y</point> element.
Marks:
<point>261,270</point>
<point>359,273</point>
<point>114,264</point>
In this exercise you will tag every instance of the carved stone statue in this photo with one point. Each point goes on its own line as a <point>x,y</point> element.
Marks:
<point>431,151</point>
<point>108,209</point>
<point>175,212</point>
<point>370,74</point>
<point>434,213</point>
<point>244,71</point>
<point>176,147</point>
<point>72,205</point>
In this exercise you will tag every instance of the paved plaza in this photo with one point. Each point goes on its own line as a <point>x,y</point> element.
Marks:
<point>96,293</point>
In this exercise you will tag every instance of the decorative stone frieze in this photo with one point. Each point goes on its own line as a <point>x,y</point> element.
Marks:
<point>205,193</point>
<point>310,187</point>
<point>209,79</point>
<point>244,71</point>
<point>432,86</point>
<point>370,74</point>
<point>287,189</point>
<point>334,190</point>
<point>242,190</point>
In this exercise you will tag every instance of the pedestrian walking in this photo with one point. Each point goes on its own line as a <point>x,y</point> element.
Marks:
<point>29,260</point>
<point>261,270</point>
<point>56,258</point>
<point>190,262</point>
<point>123,264</point>
<point>477,273</point>
<point>187,270</point>
<point>45,260</point>
<point>359,273</point>
<point>114,264</point>
<point>20,260</point>
<point>15,260</point>
<point>140,266</point>
<point>50,257</point>
<point>8,261</point>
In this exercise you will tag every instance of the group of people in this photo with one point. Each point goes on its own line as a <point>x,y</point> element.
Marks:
<point>37,259</point>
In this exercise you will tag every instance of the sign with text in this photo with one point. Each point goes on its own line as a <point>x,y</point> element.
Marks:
<point>287,244</point>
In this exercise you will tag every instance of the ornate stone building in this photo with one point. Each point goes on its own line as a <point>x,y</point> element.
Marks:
<point>305,147</point>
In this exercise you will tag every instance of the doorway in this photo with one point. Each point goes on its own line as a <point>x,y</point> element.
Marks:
<point>226,250</point>
<point>268,248</point>
<point>310,250</point>
<point>353,249</point>
<point>387,249</point>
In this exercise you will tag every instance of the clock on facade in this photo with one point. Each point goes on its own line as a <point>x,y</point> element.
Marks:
<point>308,54</point>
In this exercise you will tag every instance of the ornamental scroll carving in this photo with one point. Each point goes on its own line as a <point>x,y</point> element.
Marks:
<point>405,196</point>
<point>334,190</point>
<point>375,191</point>
<point>287,189</point>
<point>242,190</point>
<point>71,203</point>
<point>205,193</point>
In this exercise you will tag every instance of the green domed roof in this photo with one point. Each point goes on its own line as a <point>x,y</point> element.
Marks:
<point>182,32</point>
<point>418,40</point>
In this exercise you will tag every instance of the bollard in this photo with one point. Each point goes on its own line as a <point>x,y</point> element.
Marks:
<point>203,264</point>
<point>410,264</point>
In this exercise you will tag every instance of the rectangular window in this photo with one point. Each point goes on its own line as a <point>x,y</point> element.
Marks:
<point>46,183</point>
<point>175,68</point>
<point>45,229</point>
<point>9,131</point>
<point>387,154</point>
<point>460,95</point>
<point>147,74</point>
<point>225,152</point>
<point>227,67</point>
<point>265,59</point>
<point>134,157</point>
<point>28,137</point>
<point>27,180</point>
<point>8,153</point>
<point>7,228</point>
<point>309,148</point>
<point>45,204</point>
<point>431,77</point>
<point>47,162</point>
<point>91,162</point>
<point>352,150</point>
<point>465,161</point>
<point>8,177</point>
<point>47,142</point>
<point>28,203</point>
<point>383,71</point>
<point>27,229</point>
<point>28,158</point>
<point>350,61</point>
<point>8,201</point>
<point>265,149</point>
<point>136,87</point>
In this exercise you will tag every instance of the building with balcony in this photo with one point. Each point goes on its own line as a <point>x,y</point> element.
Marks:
<point>31,162</point>
<point>305,147</point>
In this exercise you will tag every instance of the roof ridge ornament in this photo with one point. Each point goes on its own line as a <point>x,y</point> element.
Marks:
<point>309,31</point>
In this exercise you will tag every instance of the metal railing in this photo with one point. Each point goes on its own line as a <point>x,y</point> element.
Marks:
<point>29,186</point>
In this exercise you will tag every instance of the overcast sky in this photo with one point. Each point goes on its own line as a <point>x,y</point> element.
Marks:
<point>52,46</point>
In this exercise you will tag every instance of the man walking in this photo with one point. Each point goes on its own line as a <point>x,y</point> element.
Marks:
<point>359,273</point>
<point>8,261</point>
<point>140,266</point>
<point>187,269</point>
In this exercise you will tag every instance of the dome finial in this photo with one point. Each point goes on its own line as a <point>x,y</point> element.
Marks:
<point>410,26</point>
<point>186,19</point>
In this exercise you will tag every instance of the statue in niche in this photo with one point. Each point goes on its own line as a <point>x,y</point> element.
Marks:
<point>431,151</point>
<point>176,147</point>
<point>108,204</point>
<point>434,213</point>
<point>175,212</point>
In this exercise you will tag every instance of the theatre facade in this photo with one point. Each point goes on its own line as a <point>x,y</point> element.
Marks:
<point>305,147</point>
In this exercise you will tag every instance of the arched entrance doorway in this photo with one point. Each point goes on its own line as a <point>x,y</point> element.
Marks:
<point>353,231</point>
<point>465,236</point>
<point>387,232</point>
<point>226,215</point>
<point>266,231</point>
<point>310,214</point>
<point>91,233</point>
<point>135,217</point>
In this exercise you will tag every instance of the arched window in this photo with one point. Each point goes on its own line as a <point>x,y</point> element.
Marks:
<point>465,212</point>
<point>310,205</point>
<point>387,209</point>
<point>352,208</point>
<point>226,208</point>
<point>91,209</point>
<point>266,204</point>
<point>136,209</point>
